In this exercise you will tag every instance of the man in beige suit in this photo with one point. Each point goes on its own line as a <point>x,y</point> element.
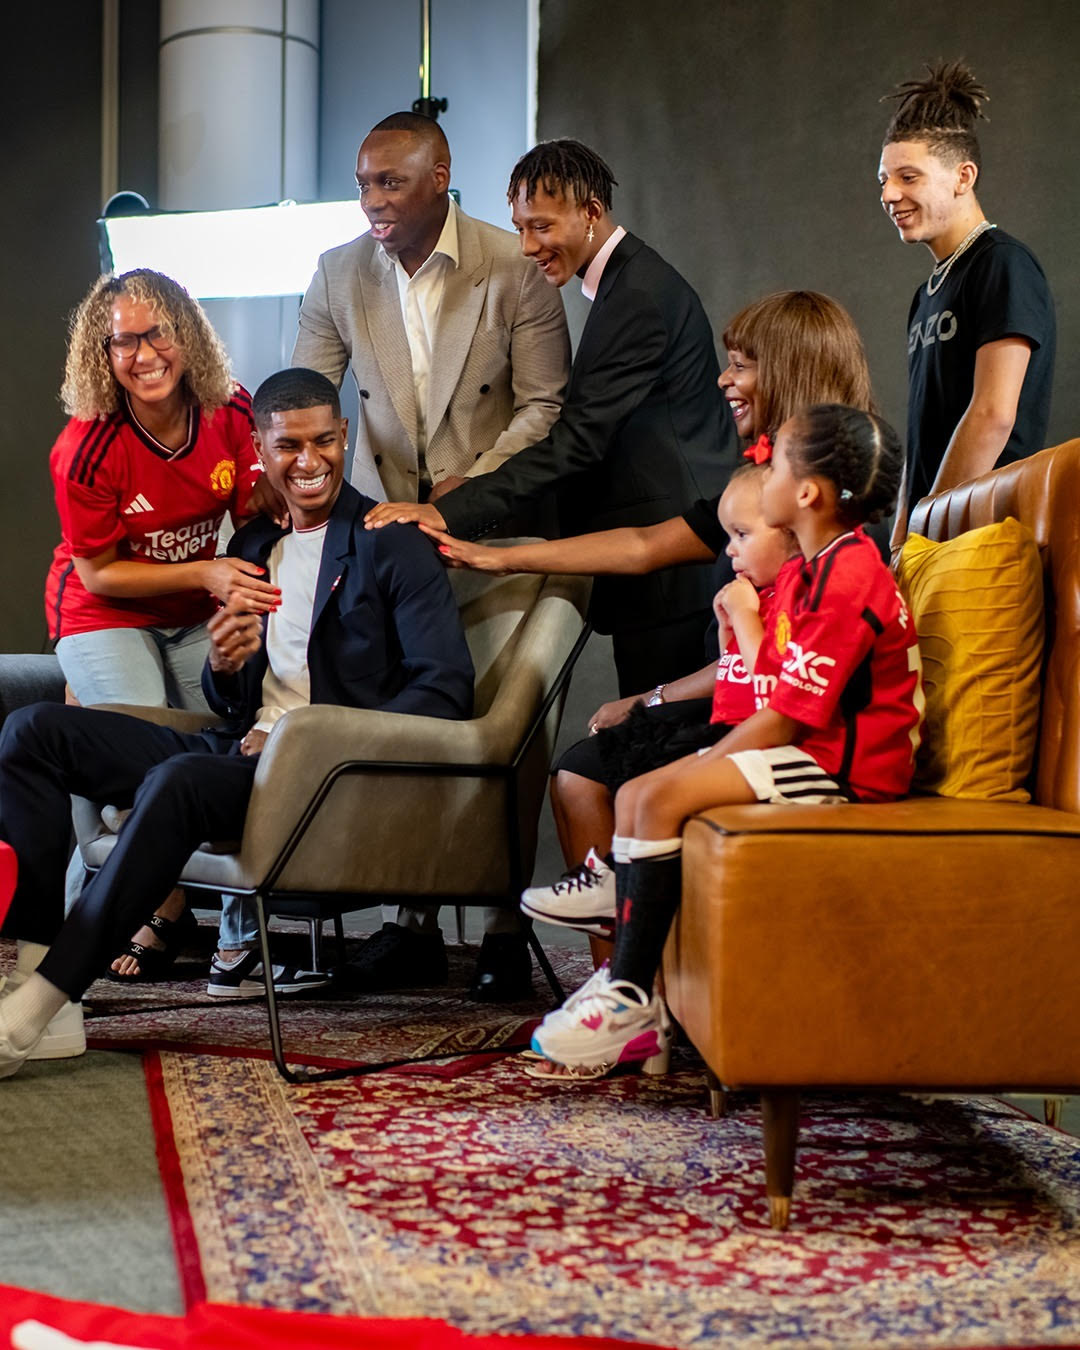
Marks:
<point>461,355</point>
<point>459,350</point>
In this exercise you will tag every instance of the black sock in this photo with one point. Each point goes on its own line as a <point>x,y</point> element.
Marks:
<point>645,907</point>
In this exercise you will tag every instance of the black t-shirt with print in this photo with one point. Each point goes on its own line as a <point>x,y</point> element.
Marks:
<point>996,289</point>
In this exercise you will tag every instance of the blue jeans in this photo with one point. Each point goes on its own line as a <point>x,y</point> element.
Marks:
<point>155,668</point>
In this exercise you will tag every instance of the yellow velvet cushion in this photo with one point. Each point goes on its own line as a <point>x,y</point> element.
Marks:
<point>977,603</point>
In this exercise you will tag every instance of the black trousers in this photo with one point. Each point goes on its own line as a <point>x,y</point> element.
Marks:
<point>184,788</point>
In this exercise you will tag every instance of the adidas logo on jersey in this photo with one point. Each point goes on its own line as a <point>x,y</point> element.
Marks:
<point>138,506</point>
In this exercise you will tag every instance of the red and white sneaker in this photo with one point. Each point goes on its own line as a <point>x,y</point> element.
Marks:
<point>607,1022</point>
<point>584,898</point>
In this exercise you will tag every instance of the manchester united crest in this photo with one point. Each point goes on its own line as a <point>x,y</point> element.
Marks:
<point>223,478</point>
<point>783,632</point>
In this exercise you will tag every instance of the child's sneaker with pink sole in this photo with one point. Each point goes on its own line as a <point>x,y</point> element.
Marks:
<point>607,1022</point>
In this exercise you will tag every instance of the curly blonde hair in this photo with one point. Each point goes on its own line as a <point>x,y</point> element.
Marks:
<point>90,389</point>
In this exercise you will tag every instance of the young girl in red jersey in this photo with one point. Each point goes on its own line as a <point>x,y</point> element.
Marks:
<point>648,738</point>
<point>838,687</point>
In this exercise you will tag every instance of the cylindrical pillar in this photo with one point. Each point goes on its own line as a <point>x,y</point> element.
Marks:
<point>239,91</point>
<point>238,126</point>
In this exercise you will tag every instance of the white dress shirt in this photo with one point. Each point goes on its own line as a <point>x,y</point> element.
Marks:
<point>421,295</point>
<point>590,282</point>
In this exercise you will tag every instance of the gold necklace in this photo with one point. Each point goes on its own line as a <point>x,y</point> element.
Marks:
<point>941,271</point>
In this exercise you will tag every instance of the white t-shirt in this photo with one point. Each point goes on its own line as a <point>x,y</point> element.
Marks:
<point>294,567</point>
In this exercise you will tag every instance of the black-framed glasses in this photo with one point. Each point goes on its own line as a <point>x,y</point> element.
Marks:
<point>160,337</point>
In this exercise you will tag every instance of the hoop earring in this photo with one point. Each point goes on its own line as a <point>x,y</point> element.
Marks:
<point>589,233</point>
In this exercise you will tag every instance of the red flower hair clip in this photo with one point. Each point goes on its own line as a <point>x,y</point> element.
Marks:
<point>761,451</point>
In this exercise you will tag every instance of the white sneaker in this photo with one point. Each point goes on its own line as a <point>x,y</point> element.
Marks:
<point>607,1022</point>
<point>64,1037</point>
<point>11,1057</point>
<point>584,898</point>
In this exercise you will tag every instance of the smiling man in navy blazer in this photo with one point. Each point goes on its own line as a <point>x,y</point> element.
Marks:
<point>362,623</point>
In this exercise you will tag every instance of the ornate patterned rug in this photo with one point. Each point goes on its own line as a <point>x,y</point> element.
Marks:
<point>323,1028</point>
<point>617,1209</point>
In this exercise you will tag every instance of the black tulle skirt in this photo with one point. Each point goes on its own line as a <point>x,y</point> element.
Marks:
<point>648,739</point>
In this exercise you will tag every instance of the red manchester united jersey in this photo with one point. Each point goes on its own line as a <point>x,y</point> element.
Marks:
<point>840,657</point>
<point>733,693</point>
<point>116,485</point>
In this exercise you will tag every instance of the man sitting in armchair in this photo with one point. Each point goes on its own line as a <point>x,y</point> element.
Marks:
<point>366,620</point>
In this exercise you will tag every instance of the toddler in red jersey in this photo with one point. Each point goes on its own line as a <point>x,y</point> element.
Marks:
<point>838,693</point>
<point>649,737</point>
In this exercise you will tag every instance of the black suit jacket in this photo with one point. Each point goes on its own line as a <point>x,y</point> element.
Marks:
<point>385,631</point>
<point>643,435</point>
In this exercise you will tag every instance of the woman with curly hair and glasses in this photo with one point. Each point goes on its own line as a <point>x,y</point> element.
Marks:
<point>157,449</point>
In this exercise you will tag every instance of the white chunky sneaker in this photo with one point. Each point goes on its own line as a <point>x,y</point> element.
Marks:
<point>607,1022</point>
<point>584,898</point>
<point>11,1057</point>
<point>64,1037</point>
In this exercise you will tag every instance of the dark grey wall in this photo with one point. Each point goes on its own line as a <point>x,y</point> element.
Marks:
<point>51,112</point>
<point>370,57</point>
<point>746,144</point>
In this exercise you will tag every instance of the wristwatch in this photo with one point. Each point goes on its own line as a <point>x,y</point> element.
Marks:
<point>656,697</point>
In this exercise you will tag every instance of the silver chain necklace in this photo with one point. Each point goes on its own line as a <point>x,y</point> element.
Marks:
<point>941,271</point>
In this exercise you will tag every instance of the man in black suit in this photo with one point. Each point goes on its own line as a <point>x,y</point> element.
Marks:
<point>362,622</point>
<point>643,432</point>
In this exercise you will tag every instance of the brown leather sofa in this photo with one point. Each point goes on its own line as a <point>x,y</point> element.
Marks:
<point>925,944</point>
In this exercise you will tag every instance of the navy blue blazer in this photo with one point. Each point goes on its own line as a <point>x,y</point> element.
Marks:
<point>644,433</point>
<point>385,631</point>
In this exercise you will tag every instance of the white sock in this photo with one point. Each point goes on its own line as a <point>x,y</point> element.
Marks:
<point>30,1009</point>
<point>29,956</point>
<point>639,850</point>
<point>619,845</point>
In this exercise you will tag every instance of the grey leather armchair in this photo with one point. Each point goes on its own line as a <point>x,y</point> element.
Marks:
<point>352,808</point>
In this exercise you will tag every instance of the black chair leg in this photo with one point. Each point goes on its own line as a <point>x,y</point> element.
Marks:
<point>315,925</point>
<point>545,966</point>
<point>271,999</point>
<point>339,938</point>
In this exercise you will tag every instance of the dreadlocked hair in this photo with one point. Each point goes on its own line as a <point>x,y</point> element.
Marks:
<point>563,168</point>
<point>941,112</point>
<point>858,452</point>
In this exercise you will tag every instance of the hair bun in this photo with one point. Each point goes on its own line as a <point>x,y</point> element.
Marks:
<point>949,99</point>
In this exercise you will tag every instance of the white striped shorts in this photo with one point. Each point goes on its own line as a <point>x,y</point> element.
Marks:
<point>784,773</point>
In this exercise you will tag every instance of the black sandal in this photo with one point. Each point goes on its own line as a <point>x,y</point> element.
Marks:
<point>155,962</point>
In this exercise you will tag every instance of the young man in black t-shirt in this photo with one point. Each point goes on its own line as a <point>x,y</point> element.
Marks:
<point>981,331</point>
